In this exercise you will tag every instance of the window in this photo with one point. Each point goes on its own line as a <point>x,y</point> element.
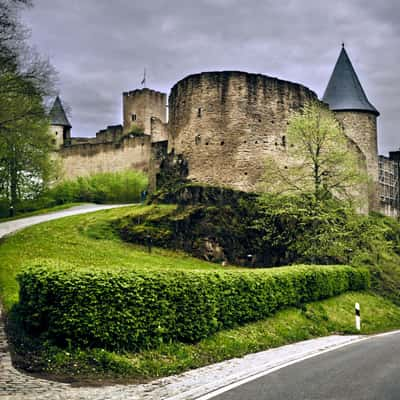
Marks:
<point>133,117</point>
<point>197,139</point>
<point>222,143</point>
<point>284,141</point>
<point>199,112</point>
<point>56,133</point>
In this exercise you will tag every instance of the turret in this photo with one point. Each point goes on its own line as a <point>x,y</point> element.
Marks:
<point>59,125</point>
<point>346,97</point>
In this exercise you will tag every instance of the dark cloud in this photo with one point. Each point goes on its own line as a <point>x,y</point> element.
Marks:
<point>100,48</point>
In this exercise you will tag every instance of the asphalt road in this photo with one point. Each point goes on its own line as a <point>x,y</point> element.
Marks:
<point>363,371</point>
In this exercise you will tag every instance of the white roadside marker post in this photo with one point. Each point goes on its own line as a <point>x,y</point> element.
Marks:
<point>358,317</point>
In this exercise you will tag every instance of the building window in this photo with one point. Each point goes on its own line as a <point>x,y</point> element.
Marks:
<point>56,133</point>
<point>284,141</point>
<point>197,139</point>
<point>199,110</point>
<point>222,143</point>
<point>133,117</point>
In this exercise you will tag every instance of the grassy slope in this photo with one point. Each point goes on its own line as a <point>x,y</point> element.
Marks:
<point>87,240</point>
<point>84,240</point>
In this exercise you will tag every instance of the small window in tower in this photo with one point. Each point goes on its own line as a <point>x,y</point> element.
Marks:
<point>56,133</point>
<point>222,143</point>
<point>133,117</point>
<point>284,141</point>
<point>199,111</point>
<point>197,139</point>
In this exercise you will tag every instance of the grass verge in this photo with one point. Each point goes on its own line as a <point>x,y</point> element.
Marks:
<point>331,316</point>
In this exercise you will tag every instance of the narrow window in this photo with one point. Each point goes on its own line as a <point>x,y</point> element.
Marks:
<point>56,133</point>
<point>284,141</point>
<point>197,139</point>
<point>133,117</point>
<point>199,112</point>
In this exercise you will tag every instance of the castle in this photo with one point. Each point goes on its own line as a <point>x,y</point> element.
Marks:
<point>223,125</point>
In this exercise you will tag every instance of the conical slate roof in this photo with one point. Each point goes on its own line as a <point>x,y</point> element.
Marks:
<point>344,90</point>
<point>57,114</point>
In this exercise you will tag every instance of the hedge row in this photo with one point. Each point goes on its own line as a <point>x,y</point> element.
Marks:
<point>136,310</point>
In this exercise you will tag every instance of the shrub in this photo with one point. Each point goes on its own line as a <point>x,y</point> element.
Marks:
<point>101,188</point>
<point>133,310</point>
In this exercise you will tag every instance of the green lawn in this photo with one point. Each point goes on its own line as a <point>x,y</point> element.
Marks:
<point>86,241</point>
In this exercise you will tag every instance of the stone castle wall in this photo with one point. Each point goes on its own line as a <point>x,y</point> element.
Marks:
<point>226,123</point>
<point>87,158</point>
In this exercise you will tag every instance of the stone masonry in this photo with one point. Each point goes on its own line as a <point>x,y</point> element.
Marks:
<point>224,125</point>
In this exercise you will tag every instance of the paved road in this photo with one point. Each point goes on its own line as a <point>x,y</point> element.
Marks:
<point>12,226</point>
<point>362,371</point>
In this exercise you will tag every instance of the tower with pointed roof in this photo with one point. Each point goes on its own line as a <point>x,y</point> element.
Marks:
<point>358,117</point>
<point>59,125</point>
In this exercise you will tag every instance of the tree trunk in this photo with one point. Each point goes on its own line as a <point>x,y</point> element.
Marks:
<point>13,184</point>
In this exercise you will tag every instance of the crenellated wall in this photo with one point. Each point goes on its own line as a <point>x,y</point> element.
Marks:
<point>226,123</point>
<point>91,158</point>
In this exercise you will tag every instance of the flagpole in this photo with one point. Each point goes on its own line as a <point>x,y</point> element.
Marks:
<point>144,78</point>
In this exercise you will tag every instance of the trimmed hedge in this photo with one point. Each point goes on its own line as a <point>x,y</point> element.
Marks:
<point>133,310</point>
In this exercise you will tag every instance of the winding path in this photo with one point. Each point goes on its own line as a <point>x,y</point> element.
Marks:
<point>15,385</point>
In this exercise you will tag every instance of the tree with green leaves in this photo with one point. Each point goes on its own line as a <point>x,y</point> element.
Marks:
<point>318,158</point>
<point>25,142</point>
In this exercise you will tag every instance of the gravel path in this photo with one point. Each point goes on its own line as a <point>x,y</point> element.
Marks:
<point>190,385</point>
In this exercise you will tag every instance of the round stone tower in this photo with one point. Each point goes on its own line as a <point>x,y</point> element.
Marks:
<point>226,123</point>
<point>346,97</point>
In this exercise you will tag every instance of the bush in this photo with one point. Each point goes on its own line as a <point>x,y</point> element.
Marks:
<point>133,310</point>
<point>115,187</point>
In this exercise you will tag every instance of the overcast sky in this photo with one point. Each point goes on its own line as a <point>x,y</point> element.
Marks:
<point>100,48</point>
